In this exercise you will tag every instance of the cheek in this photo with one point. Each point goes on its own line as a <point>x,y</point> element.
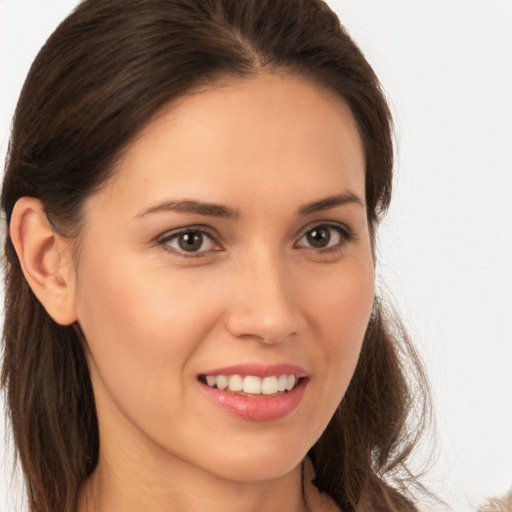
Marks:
<point>141,329</point>
<point>343,311</point>
<point>343,304</point>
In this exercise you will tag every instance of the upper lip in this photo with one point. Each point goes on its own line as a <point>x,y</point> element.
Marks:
<point>259,370</point>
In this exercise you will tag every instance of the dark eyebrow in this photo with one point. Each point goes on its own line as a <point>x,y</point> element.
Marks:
<point>330,202</point>
<point>190,206</point>
<point>218,210</point>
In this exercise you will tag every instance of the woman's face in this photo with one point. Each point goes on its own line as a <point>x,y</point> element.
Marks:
<point>231,249</point>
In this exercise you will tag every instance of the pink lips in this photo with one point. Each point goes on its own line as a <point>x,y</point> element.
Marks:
<point>260,407</point>
<point>260,370</point>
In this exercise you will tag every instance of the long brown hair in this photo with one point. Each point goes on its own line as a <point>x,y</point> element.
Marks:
<point>103,74</point>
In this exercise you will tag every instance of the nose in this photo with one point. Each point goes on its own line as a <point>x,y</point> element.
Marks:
<point>263,304</point>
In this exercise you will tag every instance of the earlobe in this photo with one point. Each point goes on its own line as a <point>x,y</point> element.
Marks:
<point>45,259</point>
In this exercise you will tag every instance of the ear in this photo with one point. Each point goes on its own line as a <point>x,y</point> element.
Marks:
<point>45,259</point>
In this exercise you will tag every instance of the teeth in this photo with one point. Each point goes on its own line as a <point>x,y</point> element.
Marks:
<point>290,382</point>
<point>235,383</point>
<point>269,385</point>
<point>281,382</point>
<point>253,385</point>
<point>221,381</point>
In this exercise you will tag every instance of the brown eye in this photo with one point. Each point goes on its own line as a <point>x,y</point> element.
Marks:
<point>319,237</point>
<point>325,236</point>
<point>189,241</point>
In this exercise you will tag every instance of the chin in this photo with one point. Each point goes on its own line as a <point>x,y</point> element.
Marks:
<point>266,461</point>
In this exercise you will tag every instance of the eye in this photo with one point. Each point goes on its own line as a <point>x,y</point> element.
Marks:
<point>325,236</point>
<point>190,241</point>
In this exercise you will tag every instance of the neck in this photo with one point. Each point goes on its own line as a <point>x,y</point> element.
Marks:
<point>136,473</point>
<point>181,487</point>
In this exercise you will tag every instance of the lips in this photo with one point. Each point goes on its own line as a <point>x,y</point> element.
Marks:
<point>256,392</point>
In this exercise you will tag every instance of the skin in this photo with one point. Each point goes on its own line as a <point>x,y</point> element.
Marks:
<point>155,317</point>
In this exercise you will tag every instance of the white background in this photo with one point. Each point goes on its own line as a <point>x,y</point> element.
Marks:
<point>446,246</point>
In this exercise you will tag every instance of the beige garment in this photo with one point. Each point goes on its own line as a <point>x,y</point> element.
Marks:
<point>317,501</point>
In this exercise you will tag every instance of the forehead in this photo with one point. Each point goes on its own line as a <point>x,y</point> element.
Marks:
<point>268,134</point>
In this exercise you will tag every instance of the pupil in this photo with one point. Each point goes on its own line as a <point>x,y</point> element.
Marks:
<point>319,237</point>
<point>191,241</point>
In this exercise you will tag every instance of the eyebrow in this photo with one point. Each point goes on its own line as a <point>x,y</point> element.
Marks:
<point>330,202</point>
<point>191,206</point>
<point>219,210</point>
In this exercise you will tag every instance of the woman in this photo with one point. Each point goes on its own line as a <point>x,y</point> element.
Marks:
<point>192,193</point>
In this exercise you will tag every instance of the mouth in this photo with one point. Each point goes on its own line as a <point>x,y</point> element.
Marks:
<point>252,385</point>
<point>256,392</point>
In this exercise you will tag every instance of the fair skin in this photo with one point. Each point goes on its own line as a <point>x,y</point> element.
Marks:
<point>276,278</point>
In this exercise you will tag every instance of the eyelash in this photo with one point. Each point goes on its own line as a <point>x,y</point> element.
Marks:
<point>342,231</point>
<point>164,241</point>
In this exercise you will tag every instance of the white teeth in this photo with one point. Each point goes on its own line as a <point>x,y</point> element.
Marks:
<point>269,385</point>
<point>290,382</point>
<point>222,381</point>
<point>253,385</point>
<point>281,382</point>
<point>235,383</point>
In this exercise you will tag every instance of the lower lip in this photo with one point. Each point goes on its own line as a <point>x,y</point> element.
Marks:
<point>258,408</point>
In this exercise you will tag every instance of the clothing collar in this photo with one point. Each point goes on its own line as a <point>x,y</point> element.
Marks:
<point>317,501</point>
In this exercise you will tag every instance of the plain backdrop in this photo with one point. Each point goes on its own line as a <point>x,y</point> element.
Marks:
<point>446,246</point>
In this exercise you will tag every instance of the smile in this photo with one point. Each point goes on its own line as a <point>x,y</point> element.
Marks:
<point>256,392</point>
<point>250,384</point>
